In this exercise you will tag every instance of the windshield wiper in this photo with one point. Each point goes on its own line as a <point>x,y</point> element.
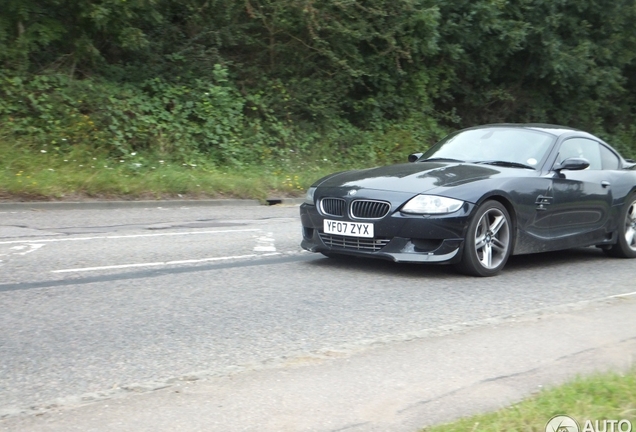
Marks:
<point>441,159</point>
<point>506,164</point>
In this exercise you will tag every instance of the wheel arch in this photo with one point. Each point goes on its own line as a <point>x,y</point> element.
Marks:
<point>624,248</point>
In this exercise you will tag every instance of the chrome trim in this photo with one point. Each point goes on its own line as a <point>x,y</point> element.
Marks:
<point>344,207</point>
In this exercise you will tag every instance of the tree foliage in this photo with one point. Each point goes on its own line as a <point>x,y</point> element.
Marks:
<point>239,79</point>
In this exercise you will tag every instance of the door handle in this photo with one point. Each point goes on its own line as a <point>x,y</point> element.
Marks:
<point>605,184</point>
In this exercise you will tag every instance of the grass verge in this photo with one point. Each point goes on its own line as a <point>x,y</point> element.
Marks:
<point>77,173</point>
<point>610,396</point>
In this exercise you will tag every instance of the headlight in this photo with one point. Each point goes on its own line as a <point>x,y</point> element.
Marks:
<point>432,204</point>
<point>309,198</point>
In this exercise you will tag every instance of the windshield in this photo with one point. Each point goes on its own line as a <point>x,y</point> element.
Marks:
<point>496,144</point>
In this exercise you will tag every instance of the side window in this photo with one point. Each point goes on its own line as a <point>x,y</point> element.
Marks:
<point>582,148</point>
<point>609,159</point>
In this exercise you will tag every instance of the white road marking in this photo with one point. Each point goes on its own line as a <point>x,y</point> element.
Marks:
<point>624,295</point>
<point>126,236</point>
<point>33,248</point>
<point>265,243</point>
<point>156,264</point>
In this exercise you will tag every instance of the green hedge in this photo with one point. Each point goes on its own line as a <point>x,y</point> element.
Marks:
<point>361,82</point>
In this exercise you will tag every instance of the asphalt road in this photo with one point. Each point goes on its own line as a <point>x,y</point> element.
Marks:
<point>102,302</point>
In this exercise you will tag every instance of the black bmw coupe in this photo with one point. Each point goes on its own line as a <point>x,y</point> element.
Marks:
<point>478,196</point>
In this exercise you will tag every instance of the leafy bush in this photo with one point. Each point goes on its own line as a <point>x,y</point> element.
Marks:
<point>58,111</point>
<point>258,81</point>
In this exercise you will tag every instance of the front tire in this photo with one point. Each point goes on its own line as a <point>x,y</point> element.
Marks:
<point>625,246</point>
<point>488,241</point>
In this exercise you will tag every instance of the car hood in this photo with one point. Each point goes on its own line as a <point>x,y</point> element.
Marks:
<point>415,177</point>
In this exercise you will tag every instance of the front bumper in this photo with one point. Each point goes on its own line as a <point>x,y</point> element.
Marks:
<point>398,237</point>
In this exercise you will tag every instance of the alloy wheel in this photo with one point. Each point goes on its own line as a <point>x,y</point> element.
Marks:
<point>492,238</point>
<point>630,226</point>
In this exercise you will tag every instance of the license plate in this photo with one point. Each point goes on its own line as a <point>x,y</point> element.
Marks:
<point>353,229</point>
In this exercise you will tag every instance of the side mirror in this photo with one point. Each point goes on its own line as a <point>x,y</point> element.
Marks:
<point>415,156</point>
<point>572,164</point>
